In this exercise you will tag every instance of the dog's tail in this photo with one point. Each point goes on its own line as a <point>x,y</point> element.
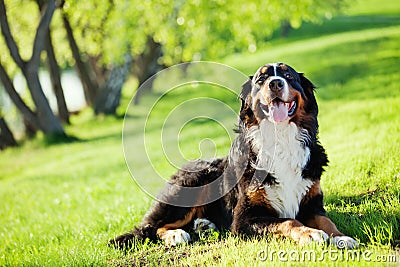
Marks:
<point>138,234</point>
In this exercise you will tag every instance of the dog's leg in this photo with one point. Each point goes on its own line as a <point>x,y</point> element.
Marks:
<point>289,228</point>
<point>337,238</point>
<point>172,234</point>
<point>249,222</point>
<point>163,222</point>
<point>297,231</point>
<point>313,203</point>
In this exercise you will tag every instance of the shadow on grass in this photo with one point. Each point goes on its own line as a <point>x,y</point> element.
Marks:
<point>55,139</point>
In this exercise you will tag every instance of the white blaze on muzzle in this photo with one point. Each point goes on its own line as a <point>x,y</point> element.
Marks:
<point>285,90</point>
<point>278,110</point>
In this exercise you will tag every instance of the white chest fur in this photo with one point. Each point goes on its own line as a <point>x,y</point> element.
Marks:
<point>281,152</point>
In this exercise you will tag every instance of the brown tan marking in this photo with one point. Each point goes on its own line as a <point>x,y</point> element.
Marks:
<point>197,211</point>
<point>258,197</point>
<point>314,191</point>
<point>301,114</point>
<point>257,111</point>
<point>325,224</point>
<point>295,230</point>
<point>264,70</point>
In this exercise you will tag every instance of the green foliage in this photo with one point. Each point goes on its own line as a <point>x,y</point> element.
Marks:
<point>23,28</point>
<point>186,28</point>
<point>230,26</point>
<point>209,236</point>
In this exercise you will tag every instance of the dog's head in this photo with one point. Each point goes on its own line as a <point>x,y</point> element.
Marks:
<point>278,94</point>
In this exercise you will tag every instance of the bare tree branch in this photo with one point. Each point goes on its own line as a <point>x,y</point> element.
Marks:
<point>41,33</point>
<point>55,78</point>
<point>10,42</point>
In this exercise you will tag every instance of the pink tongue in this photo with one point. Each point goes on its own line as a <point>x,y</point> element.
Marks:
<point>279,112</point>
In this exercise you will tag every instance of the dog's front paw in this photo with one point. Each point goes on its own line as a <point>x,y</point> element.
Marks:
<point>344,242</point>
<point>309,235</point>
<point>175,237</point>
<point>202,225</point>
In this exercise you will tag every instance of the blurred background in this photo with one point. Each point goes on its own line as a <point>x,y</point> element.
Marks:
<point>61,57</point>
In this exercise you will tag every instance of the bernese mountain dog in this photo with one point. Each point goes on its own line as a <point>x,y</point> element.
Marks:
<point>270,181</point>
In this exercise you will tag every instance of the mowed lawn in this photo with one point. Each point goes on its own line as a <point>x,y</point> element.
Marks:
<point>60,203</point>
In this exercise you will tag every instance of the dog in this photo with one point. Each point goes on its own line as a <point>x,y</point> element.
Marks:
<point>268,184</point>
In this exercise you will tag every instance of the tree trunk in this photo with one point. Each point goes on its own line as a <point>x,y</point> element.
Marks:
<point>146,65</point>
<point>54,71</point>
<point>6,137</point>
<point>56,80</point>
<point>26,112</point>
<point>285,28</point>
<point>49,123</point>
<point>30,130</point>
<point>110,95</point>
<point>90,85</point>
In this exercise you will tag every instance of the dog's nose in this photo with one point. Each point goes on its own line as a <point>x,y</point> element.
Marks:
<point>276,85</point>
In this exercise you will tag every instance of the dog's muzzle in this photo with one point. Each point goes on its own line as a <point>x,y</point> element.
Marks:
<point>277,87</point>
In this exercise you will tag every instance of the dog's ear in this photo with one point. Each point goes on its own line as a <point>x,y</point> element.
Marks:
<point>245,110</point>
<point>308,88</point>
<point>246,89</point>
<point>307,85</point>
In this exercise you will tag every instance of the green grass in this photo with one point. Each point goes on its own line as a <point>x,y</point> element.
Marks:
<point>61,203</point>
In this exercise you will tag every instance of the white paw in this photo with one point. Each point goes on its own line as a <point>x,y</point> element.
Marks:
<point>175,237</point>
<point>343,242</point>
<point>319,236</point>
<point>313,235</point>
<point>201,225</point>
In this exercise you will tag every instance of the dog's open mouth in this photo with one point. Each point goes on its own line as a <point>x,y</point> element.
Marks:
<point>279,110</point>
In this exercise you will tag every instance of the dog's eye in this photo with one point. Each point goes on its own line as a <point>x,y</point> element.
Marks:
<point>261,79</point>
<point>288,76</point>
